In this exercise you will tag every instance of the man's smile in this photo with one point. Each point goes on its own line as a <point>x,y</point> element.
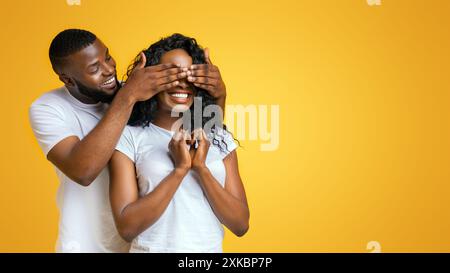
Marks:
<point>110,83</point>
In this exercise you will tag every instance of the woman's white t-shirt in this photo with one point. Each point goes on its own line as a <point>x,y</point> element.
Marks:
<point>188,224</point>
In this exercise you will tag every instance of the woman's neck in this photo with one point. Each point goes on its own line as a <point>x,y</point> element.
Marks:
<point>164,120</point>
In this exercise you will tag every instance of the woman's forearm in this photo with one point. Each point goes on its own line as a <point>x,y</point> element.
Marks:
<point>144,212</point>
<point>231,211</point>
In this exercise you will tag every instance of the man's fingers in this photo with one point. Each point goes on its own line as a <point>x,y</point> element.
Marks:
<point>169,79</point>
<point>207,59</point>
<point>161,67</point>
<point>172,71</point>
<point>172,78</point>
<point>207,87</point>
<point>205,73</point>
<point>209,67</point>
<point>203,80</point>
<point>167,86</point>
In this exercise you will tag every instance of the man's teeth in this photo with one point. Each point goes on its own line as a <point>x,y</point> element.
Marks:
<point>109,81</point>
<point>179,95</point>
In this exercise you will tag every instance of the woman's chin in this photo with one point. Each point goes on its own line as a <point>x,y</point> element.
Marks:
<point>180,107</point>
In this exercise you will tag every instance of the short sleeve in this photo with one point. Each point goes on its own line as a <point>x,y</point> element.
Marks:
<point>126,144</point>
<point>49,125</point>
<point>226,142</point>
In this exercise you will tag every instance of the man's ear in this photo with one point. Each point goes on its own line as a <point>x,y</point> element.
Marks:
<point>66,80</point>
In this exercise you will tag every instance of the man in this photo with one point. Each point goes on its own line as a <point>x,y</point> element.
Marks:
<point>79,124</point>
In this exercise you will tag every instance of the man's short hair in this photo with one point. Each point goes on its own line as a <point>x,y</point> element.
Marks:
<point>68,42</point>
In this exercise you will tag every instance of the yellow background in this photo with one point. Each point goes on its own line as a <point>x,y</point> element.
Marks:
<point>364,114</point>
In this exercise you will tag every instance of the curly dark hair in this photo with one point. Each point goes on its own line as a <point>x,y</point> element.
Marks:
<point>144,112</point>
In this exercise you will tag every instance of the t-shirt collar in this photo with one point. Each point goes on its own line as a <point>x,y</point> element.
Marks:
<point>81,104</point>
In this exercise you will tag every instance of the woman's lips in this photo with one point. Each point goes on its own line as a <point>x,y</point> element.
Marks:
<point>180,97</point>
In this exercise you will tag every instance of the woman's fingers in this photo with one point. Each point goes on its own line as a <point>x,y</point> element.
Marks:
<point>186,138</point>
<point>202,139</point>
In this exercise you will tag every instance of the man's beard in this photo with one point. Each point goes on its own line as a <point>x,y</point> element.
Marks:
<point>97,94</point>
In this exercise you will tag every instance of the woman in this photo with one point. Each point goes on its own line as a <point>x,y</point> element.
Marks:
<point>167,195</point>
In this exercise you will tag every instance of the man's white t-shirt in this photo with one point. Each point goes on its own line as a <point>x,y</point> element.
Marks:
<point>86,223</point>
<point>188,224</point>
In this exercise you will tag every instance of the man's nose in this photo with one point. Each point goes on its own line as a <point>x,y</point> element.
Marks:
<point>109,69</point>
